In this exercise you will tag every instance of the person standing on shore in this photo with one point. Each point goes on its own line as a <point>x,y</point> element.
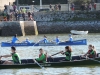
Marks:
<point>59,7</point>
<point>50,6</point>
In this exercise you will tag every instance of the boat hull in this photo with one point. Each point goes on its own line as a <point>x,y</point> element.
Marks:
<point>75,32</point>
<point>67,43</point>
<point>54,62</point>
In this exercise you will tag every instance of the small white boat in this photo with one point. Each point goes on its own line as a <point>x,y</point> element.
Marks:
<point>75,32</point>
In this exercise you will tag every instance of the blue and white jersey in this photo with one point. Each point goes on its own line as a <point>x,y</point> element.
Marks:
<point>26,41</point>
<point>70,39</point>
<point>57,40</point>
<point>14,39</point>
<point>45,40</point>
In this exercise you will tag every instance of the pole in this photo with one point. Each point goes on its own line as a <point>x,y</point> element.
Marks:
<point>17,3</point>
<point>40,4</point>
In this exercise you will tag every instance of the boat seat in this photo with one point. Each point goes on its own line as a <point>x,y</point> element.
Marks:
<point>23,61</point>
<point>30,60</point>
<point>76,58</point>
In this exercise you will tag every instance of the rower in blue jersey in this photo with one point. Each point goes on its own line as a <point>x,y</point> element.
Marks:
<point>44,40</point>
<point>70,37</point>
<point>14,39</point>
<point>57,39</point>
<point>26,41</point>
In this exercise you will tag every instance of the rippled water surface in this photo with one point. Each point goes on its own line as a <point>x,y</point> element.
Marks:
<point>32,52</point>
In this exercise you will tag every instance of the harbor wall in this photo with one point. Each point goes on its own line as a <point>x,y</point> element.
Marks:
<point>21,28</point>
<point>32,28</point>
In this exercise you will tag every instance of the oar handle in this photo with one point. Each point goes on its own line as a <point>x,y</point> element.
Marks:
<point>56,53</point>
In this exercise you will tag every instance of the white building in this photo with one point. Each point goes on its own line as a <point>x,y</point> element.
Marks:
<point>5,2</point>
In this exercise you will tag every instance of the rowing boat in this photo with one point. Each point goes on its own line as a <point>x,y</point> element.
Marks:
<point>54,62</point>
<point>75,32</point>
<point>67,43</point>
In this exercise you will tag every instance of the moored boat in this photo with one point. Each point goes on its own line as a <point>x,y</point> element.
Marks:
<point>75,32</point>
<point>54,62</point>
<point>67,43</point>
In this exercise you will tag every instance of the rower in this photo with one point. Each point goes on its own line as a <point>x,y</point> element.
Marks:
<point>70,37</point>
<point>14,39</point>
<point>26,41</point>
<point>42,57</point>
<point>44,40</point>
<point>91,52</point>
<point>14,55</point>
<point>57,40</point>
<point>67,52</point>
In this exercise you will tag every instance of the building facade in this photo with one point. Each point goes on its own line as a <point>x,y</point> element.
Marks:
<point>5,2</point>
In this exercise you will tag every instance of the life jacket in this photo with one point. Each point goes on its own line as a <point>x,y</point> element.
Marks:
<point>42,58</point>
<point>91,53</point>
<point>68,55</point>
<point>15,58</point>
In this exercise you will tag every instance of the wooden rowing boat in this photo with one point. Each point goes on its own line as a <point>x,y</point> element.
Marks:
<point>77,42</point>
<point>75,32</point>
<point>54,62</point>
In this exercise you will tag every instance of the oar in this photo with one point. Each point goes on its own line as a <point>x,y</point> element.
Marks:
<point>56,53</point>
<point>91,59</point>
<point>94,60</point>
<point>38,64</point>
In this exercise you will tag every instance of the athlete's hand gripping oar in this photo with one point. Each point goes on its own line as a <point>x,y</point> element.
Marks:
<point>38,64</point>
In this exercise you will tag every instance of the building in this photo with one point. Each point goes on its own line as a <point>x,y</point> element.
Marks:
<point>5,2</point>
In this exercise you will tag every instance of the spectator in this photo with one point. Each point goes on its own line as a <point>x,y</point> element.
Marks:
<point>16,16</point>
<point>8,17</point>
<point>90,7</point>
<point>24,10</point>
<point>14,7</point>
<point>50,6</point>
<point>11,8</point>
<point>59,6</point>
<point>94,6</point>
<point>82,7</point>
<point>72,7</point>
<point>23,15</point>
<point>29,14</point>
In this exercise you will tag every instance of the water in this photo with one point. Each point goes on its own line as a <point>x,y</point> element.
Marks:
<point>32,52</point>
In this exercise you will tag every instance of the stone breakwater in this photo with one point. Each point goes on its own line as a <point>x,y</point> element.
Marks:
<point>21,28</point>
<point>66,27</point>
<point>33,28</point>
<point>65,16</point>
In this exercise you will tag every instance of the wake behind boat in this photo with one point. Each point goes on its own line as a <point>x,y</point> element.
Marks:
<point>54,62</point>
<point>67,43</point>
